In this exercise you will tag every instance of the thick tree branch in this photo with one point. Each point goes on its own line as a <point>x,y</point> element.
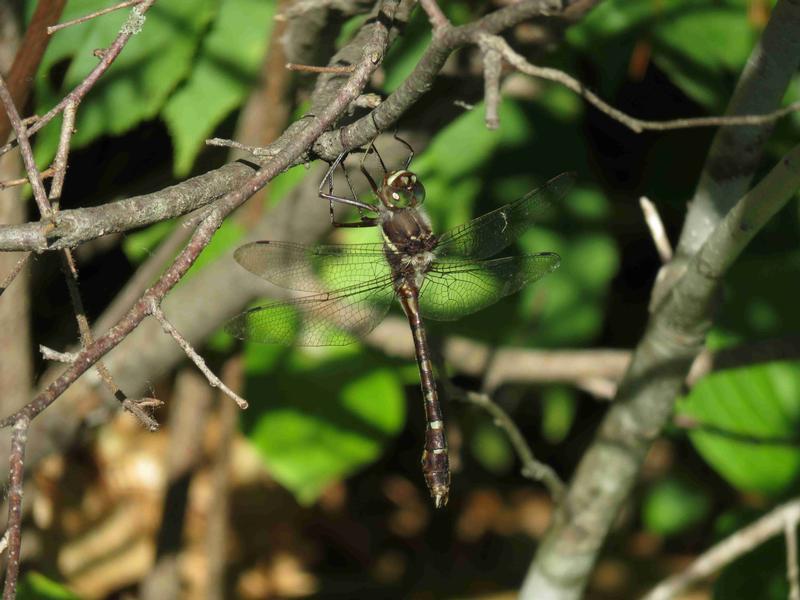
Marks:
<point>736,152</point>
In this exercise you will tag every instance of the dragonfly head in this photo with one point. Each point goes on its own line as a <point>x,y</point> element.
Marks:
<point>401,189</point>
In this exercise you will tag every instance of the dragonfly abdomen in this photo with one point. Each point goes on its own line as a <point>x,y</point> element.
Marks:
<point>435,461</point>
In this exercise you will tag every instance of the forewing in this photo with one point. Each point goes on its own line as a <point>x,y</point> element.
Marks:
<point>457,288</point>
<point>313,268</point>
<point>329,319</point>
<point>489,234</point>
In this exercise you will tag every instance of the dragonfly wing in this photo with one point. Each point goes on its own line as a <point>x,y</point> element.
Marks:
<point>313,268</point>
<point>489,234</point>
<point>328,319</point>
<point>455,288</point>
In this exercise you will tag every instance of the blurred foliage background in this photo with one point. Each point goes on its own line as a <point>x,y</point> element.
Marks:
<point>340,429</point>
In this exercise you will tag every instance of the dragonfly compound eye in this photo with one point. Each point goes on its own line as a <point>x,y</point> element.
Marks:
<point>403,190</point>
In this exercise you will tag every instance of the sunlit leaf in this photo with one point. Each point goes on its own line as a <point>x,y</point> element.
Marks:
<point>35,586</point>
<point>490,446</point>
<point>673,505</point>
<point>321,416</point>
<point>558,413</point>
<point>139,81</point>
<point>222,75</point>
<point>747,419</point>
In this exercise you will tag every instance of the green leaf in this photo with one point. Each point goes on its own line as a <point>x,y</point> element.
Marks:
<point>139,81</point>
<point>35,586</point>
<point>465,145</point>
<point>672,506</point>
<point>140,244</point>
<point>567,305</point>
<point>750,415</point>
<point>703,48</point>
<point>221,78</point>
<point>317,417</point>
<point>558,413</point>
<point>490,446</point>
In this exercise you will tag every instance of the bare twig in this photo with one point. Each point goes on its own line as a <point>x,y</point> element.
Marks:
<point>492,67</point>
<point>23,180</point>
<point>51,30</point>
<point>213,380</point>
<point>728,550</point>
<point>531,467</point>
<point>632,123</point>
<point>657,231</point>
<point>87,339</point>
<point>55,355</point>
<point>25,148</point>
<point>315,69</point>
<point>257,151</point>
<point>14,272</point>
<point>16,474</point>
<point>792,570</point>
<point>60,162</point>
<point>438,19</point>
<point>599,387</point>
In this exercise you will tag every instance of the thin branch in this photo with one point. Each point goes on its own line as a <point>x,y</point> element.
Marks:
<point>728,550</point>
<point>14,272</point>
<point>25,149</point>
<point>492,67</point>
<point>438,19</point>
<point>55,355</point>
<point>656,227</point>
<point>632,123</point>
<point>60,162</point>
<point>792,570</point>
<point>134,407</point>
<point>315,69</point>
<point>257,151</point>
<point>23,180</point>
<point>51,30</point>
<point>15,482</point>
<point>213,380</point>
<point>531,467</point>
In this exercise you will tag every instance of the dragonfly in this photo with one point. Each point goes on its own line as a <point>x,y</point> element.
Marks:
<point>433,276</point>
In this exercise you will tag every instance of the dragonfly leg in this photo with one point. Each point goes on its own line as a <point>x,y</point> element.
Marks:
<point>331,197</point>
<point>407,145</point>
<point>364,170</point>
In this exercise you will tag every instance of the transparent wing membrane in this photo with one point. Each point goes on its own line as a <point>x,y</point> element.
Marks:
<point>328,319</point>
<point>457,288</point>
<point>313,268</point>
<point>489,234</point>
